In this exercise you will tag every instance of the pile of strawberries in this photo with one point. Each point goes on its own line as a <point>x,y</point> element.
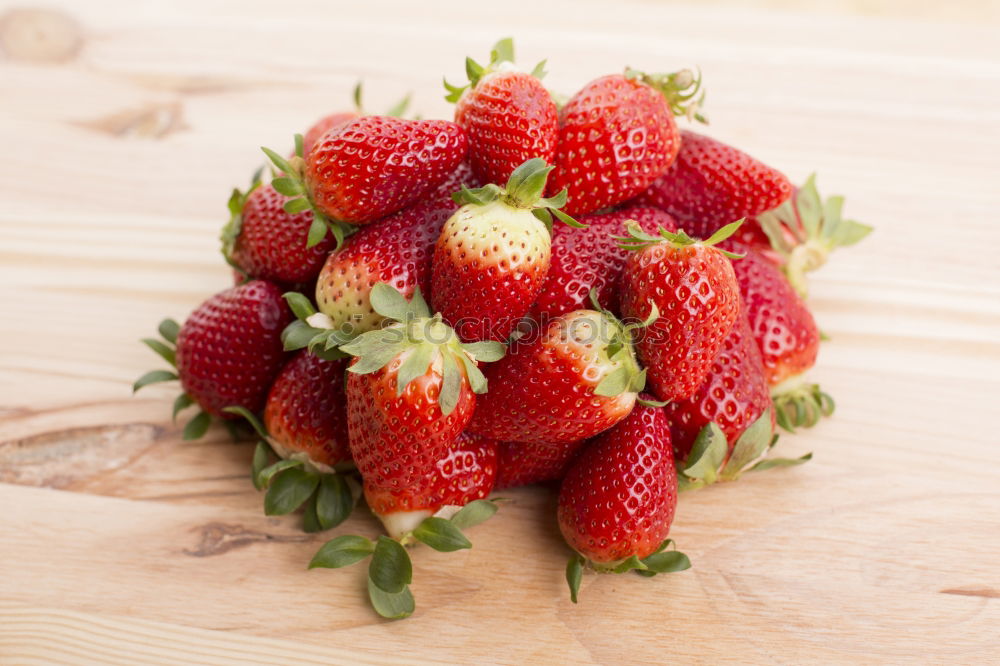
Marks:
<point>427,311</point>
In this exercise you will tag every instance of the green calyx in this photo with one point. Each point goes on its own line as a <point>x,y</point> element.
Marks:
<point>390,570</point>
<point>231,231</point>
<point>627,376</point>
<point>425,343</point>
<point>291,183</point>
<point>800,404</point>
<point>312,330</point>
<point>635,239</point>
<point>501,53</point>
<point>681,90</point>
<point>806,229</point>
<point>659,562</point>
<point>166,349</point>
<point>290,483</point>
<point>524,190</point>
<point>707,463</point>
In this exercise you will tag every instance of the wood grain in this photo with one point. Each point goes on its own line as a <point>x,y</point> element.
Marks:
<point>122,544</point>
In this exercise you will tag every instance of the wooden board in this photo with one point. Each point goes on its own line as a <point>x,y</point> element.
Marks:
<point>121,544</point>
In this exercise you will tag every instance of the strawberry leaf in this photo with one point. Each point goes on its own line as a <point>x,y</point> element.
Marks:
<point>441,535</point>
<point>668,561</point>
<point>296,206</point>
<point>415,365</point>
<point>486,351</point>
<point>451,383</point>
<point>749,447</point>
<point>165,352</point>
<point>289,490</point>
<point>334,501</point>
<point>341,552</point>
<point>707,453</point>
<point>153,377</point>
<point>614,383</point>
<point>390,569</point>
<point>250,418</point>
<point>473,513</point>
<point>288,186</point>
<point>181,402</point>
<point>574,575</point>
<point>261,456</point>
<point>317,231</point>
<point>197,426</point>
<point>768,463</point>
<point>388,302</point>
<point>310,521</point>
<point>266,474</point>
<point>301,306</point>
<point>388,605</point>
<point>169,329</point>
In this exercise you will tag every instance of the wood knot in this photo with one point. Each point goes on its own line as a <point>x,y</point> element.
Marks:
<point>40,35</point>
<point>152,121</point>
<point>220,538</point>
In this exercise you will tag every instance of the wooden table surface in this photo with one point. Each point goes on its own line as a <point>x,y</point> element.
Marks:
<point>123,126</point>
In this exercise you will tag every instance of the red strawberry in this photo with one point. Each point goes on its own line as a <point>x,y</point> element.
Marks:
<point>396,250</point>
<point>366,169</point>
<point>264,241</point>
<point>617,501</point>
<point>734,395</point>
<point>374,166</point>
<point>712,184</point>
<point>334,120</point>
<point>525,463</point>
<point>324,125</point>
<point>571,380</point>
<point>306,412</point>
<point>617,136</point>
<point>805,229</point>
<point>692,286</point>
<point>228,352</point>
<point>410,393</point>
<point>508,115</point>
<point>493,254</point>
<point>590,258</point>
<point>787,336</point>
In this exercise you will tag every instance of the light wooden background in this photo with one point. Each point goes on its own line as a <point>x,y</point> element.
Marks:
<point>120,544</point>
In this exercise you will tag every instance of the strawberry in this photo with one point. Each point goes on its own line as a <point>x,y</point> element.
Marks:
<point>227,352</point>
<point>366,169</point>
<point>263,240</point>
<point>805,229</point>
<point>324,125</point>
<point>692,284</point>
<point>305,425</point>
<point>508,116</point>
<point>573,379</point>
<point>397,251</point>
<point>410,393</point>
<point>787,337</point>
<point>336,119</point>
<point>617,501</point>
<point>618,135</point>
<point>734,395</point>
<point>590,259</point>
<point>526,463</point>
<point>712,184</point>
<point>493,254</point>
<point>306,412</point>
